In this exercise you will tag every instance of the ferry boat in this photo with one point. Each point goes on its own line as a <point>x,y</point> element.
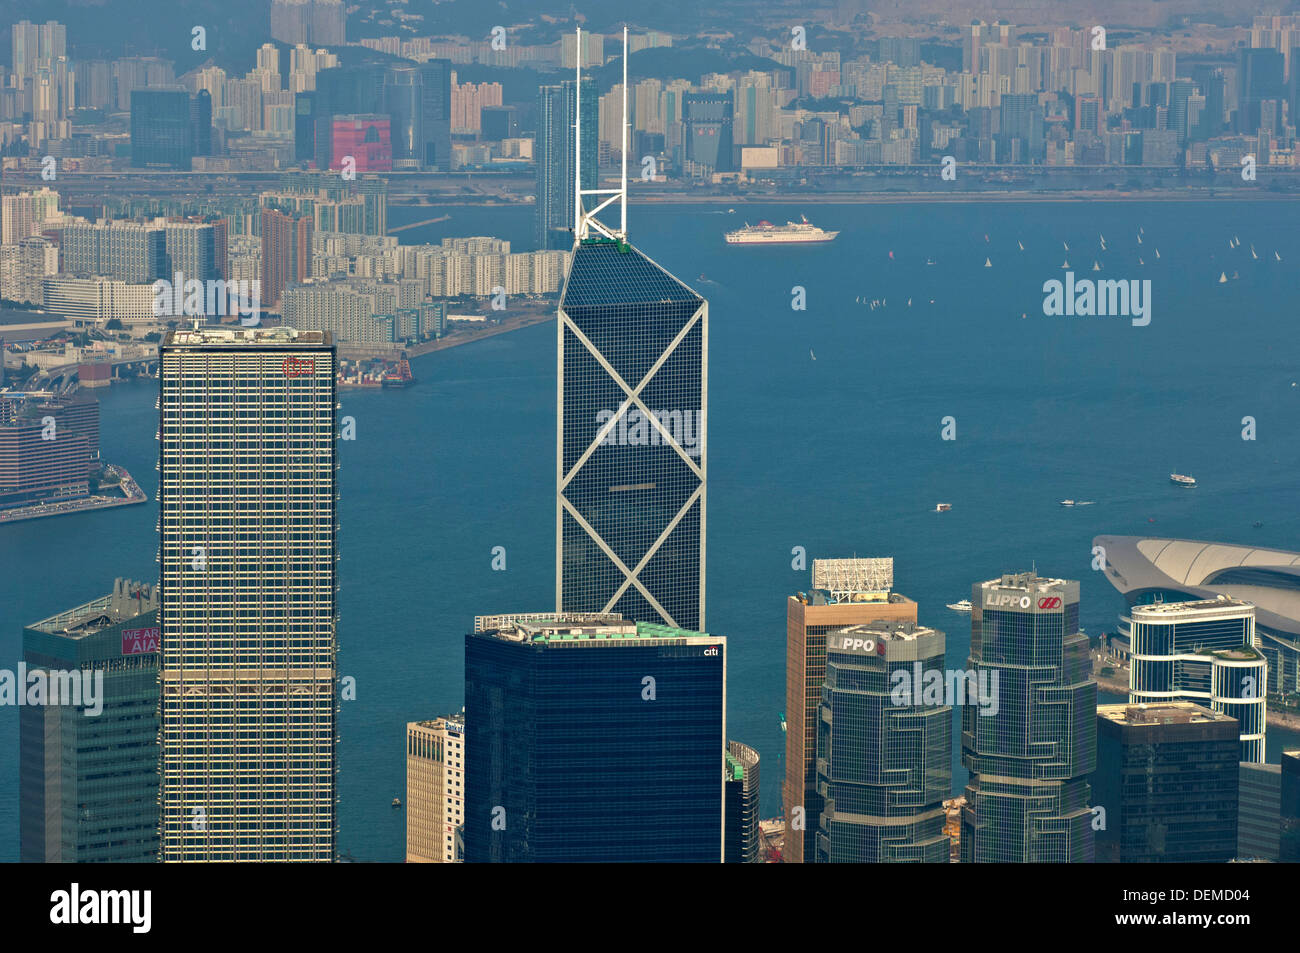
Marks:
<point>963,606</point>
<point>765,233</point>
<point>1067,502</point>
<point>1182,480</point>
<point>942,507</point>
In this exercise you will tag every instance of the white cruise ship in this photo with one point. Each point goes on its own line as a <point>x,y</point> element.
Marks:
<point>765,233</point>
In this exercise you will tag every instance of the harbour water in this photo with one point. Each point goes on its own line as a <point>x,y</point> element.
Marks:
<point>837,455</point>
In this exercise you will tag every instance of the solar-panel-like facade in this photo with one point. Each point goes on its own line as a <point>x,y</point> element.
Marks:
<point>631,441</point>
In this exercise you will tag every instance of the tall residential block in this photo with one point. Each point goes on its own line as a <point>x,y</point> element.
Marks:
<point>286,253</point>
<point>1204,651</point>
<point>555,152</point>
<point>884,746</point>
<point>248,553</point>
<point>844,592</point>
<point>593,739</point>
<point>435,790</point>
<point>1027,800</point>
<point>1166,781</point>
<point>87,780</point>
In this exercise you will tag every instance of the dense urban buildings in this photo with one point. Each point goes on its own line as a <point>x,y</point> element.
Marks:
<point>844,592</point>
<point>248,528</point>
<point>88,772</point>
<point>884,746</point>
<point>1167,780</point>
<point>1202,651</point>
<point>49,448</point>
<point>1027,800</point>
<point>621,726</point>
<point>632,440</point>
<point>435,790</point>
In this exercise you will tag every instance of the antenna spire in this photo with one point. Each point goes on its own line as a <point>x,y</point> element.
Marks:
<point>586,221</point>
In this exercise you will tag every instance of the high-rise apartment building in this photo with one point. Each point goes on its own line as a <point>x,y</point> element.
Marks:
<point>286,252</point>
<point>49,449</point>
<point>632,442</point>
<point>318,22</point>
<point>133,252</point>
<point>844,592</point>
<point>1027,800</point>
<point>1166,779</point>
<point>555,152</point>
<point>1206,652</point>
<point>435,790</point>
<point>592,739</point>
<point>87,778</point>
<point>884,747</point>
<point>742,791</point>
<point>248,522</point>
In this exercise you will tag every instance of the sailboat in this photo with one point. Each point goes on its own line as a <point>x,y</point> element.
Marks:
<point>811,354</point>
<point>1139,239</point>
<point>1276,256</point>
<point>1022,247</point>
<point>1065,264</point>
<point>1067,245</point>
<point>1237,240</point>
<point>1230,244</point>
<point>1157,252</point>
<point>987,263</point>
<point>1140,261</point>
<point>1095,265</point>
<point>1223,278</point>
<point>1252,252</point>
<point>909,302</point>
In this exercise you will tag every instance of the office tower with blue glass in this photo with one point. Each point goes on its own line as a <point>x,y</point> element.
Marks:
<point>556,156</point>
<point>1167,780</point>
<point>1206,652</point>
<point>593,739</point>
<point>884,746</point>
<point>87,780</point>
<point>632,440</point>
<point>1027,800</point>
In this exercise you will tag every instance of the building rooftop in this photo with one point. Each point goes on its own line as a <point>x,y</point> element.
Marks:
<point>886,630</point>
<point>558,628</point>
<point>127,600</point>
<point>1028,581</point>
<point>259,336</point>
<point>1191,606</point>
<point>1163,713</point>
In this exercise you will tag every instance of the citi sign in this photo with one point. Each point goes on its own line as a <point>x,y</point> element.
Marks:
<point>1006,600</point>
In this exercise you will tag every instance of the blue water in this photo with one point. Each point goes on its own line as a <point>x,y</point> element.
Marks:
<point>839,455</point>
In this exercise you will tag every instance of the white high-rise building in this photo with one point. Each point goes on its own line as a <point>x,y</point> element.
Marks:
<point>249,701</point>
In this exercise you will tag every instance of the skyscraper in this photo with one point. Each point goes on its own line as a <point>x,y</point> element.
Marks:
<point>1027,800</point>
<point>844,592</point>
<point>554,154</point>
<point>592,739</point>
<point>435,790</point>
<point>1167,779</point>
<point>743,837</point>
<point>248,548</point>
<point>1205,652</point>
<point>129,251</point>
<point>162,133</point>
<point>884,755</point>
<point>1289,836</point>
<point>631,434</point>
<point>707,130</point>
<point>88,783</point>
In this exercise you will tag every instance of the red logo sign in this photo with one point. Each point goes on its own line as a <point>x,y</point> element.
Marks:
<point>140,641</point>
<point>298,367</point>
<point>1049,602</point>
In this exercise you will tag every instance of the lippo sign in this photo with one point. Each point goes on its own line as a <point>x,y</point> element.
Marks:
<point>140,641</point>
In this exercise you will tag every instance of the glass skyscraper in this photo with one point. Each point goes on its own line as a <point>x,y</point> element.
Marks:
<point>592,739</point>
<point>884,756</point>
<point>1027,800</point>
<point>1203,651</point>
<point>554,153</point>
<point>162,134</point>
<point>88,783</point>
<point>632,443</point>
<point>248,683</point>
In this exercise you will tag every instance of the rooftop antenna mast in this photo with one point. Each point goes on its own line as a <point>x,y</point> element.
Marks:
<point>586,221</point>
